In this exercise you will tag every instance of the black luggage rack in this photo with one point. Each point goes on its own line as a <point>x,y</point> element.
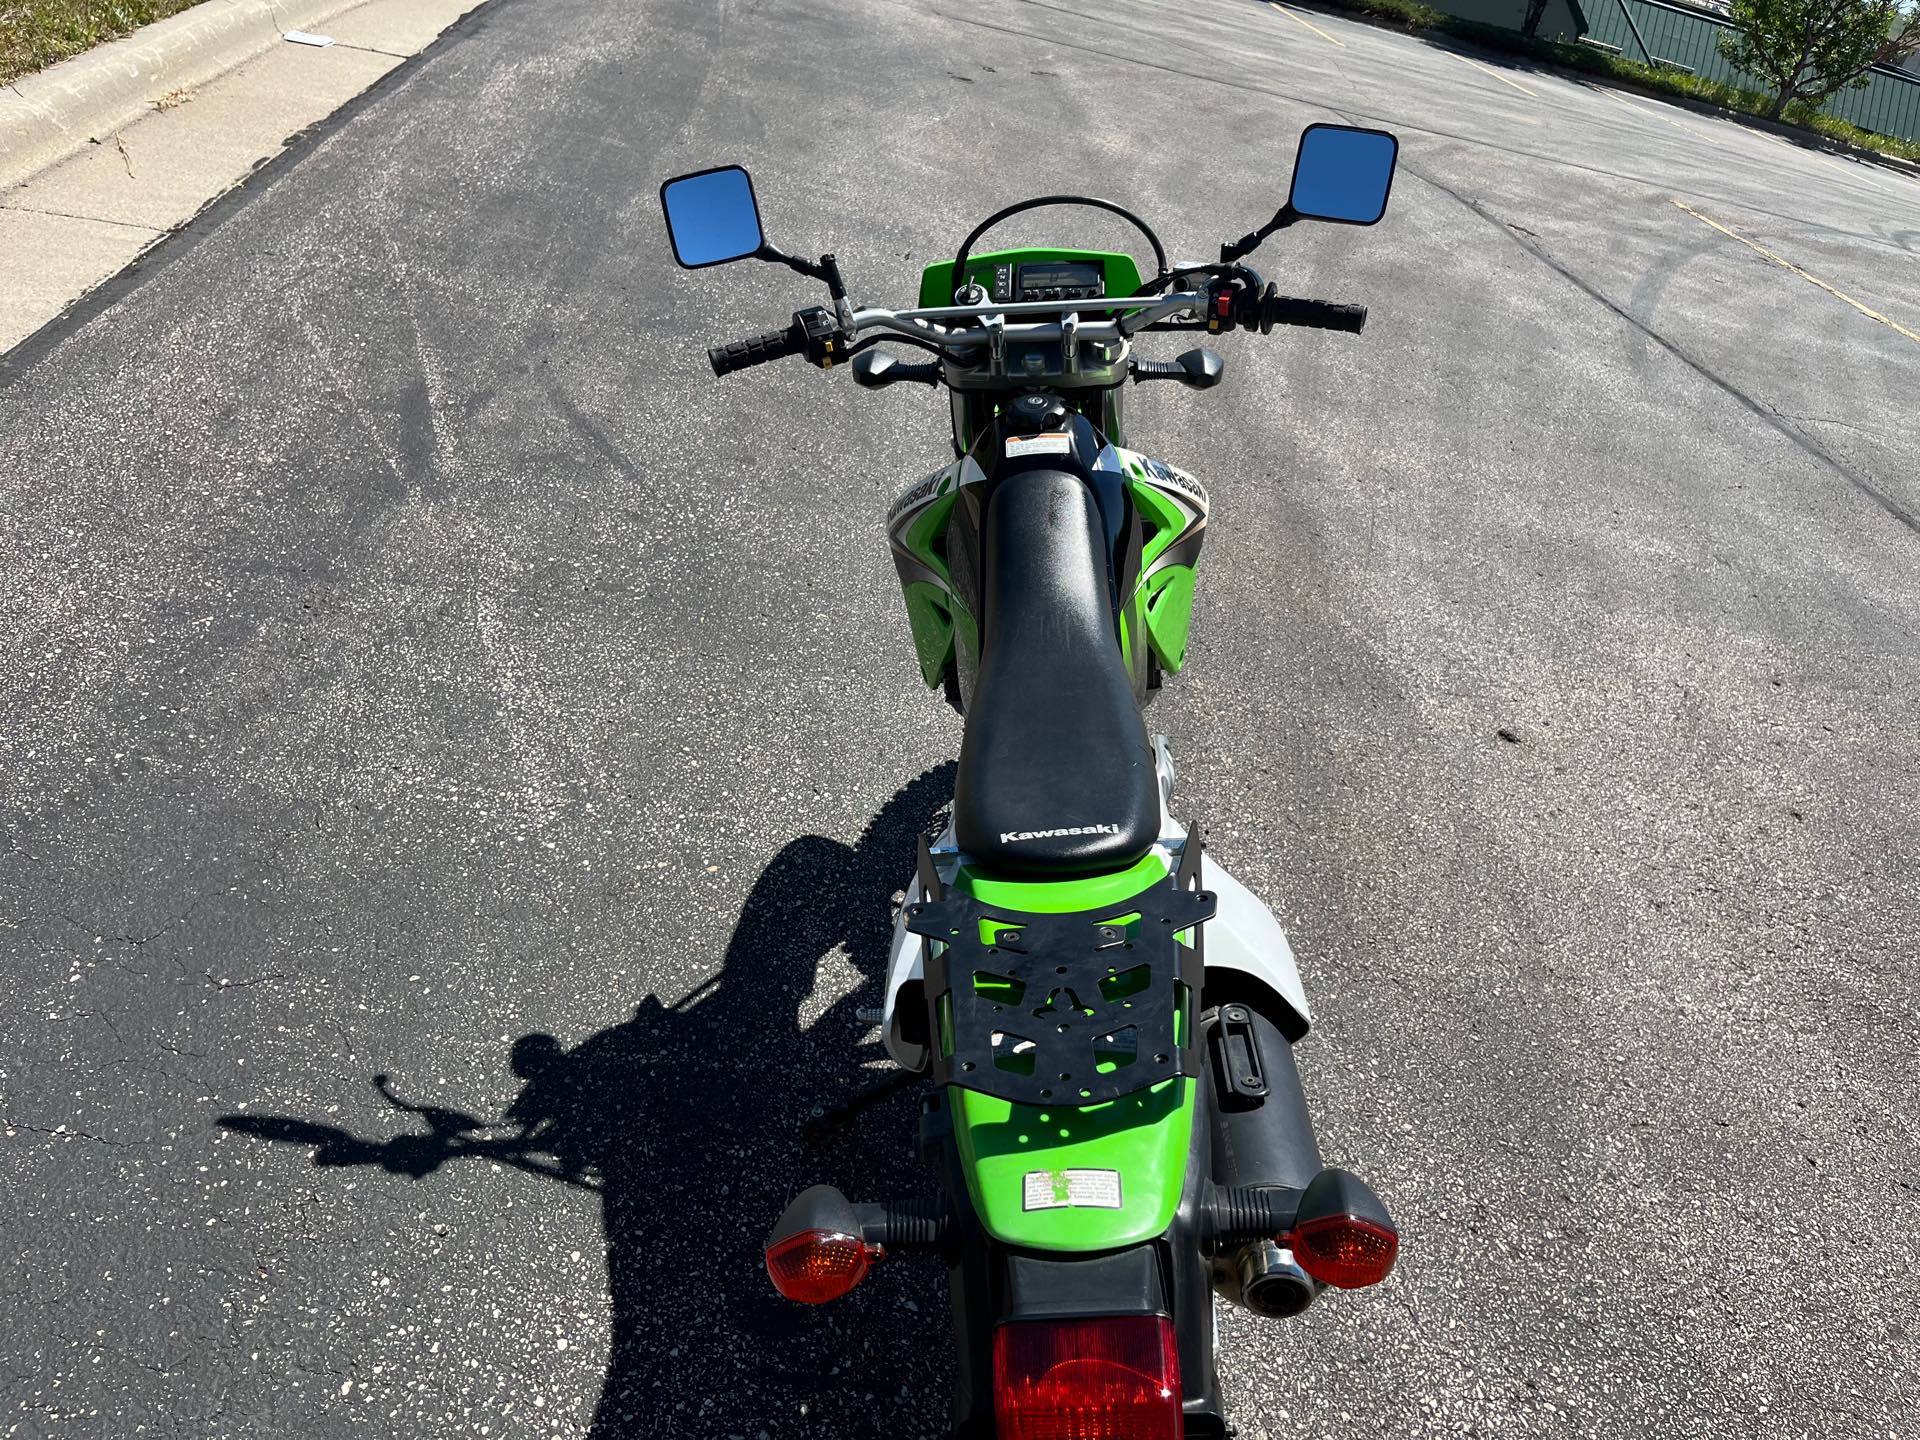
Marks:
<point>1032,1013</point>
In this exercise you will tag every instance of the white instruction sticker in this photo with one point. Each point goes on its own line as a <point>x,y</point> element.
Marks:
<point>1054,442</point>
<point>1072,1189</point>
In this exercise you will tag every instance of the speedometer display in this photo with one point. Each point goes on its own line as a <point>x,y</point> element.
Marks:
<point>1060,280</point>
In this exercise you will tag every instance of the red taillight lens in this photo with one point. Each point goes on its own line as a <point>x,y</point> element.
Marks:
<point>1115,1378</point>
<point>1344,1251</point>
<point>816,1266</point>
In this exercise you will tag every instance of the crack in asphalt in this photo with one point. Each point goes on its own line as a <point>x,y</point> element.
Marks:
<point>1396,123</point>
<point>1773,418</point>
<point>67,1132</point>
<point>1525,239</point>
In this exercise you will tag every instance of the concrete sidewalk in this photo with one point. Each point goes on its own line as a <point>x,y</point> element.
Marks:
<point>69,226</point>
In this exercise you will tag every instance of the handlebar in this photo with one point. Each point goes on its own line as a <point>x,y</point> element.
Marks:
<point>958,333</point>
<point>1314,314</point>
<point>774,345</point>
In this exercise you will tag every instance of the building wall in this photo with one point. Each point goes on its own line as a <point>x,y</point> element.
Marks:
<point>1687,36</point>
<point>1560,22</point>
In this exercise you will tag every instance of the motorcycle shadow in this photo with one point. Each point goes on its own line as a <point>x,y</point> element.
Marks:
<point>687,1120</point>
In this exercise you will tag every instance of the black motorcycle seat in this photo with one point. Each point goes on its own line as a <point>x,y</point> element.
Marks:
<point>1056,771</point>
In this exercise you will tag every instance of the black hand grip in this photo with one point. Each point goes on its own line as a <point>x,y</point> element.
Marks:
<point>1314,314</point>
<point>774,345</point>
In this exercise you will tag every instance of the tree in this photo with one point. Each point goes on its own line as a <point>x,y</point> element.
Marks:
<point>1808,49</point>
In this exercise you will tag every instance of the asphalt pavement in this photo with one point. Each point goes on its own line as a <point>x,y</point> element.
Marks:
<point>457,753</point>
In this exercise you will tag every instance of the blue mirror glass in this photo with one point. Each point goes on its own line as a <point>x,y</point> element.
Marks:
<point>1343,174</point>
<point>711,217</point>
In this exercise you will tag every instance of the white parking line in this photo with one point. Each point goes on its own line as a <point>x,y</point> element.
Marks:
<point>1853,168</point>
<point>1649,110</point>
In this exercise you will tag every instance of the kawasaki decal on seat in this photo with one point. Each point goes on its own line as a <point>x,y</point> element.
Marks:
<point>1007,835</point>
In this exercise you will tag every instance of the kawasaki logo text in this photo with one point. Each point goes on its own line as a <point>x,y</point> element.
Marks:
<point>1006,835</point>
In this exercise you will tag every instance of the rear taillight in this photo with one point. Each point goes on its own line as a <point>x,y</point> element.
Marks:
<point>1345,1251</point>
<point>1114,1378</point>
<point>816,1266</point>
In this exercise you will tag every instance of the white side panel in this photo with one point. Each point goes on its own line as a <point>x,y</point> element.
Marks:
<point>906,957</point>
<point>904,963</point>
<point>1244,936</point>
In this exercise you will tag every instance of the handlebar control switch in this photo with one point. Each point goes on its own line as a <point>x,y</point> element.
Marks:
<point>819,327</point>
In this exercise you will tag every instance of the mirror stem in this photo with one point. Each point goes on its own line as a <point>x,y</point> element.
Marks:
<point>1282,218</point>
<point>826,269</point>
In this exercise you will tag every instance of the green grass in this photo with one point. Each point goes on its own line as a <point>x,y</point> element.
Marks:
<point>1411,15</point>
<point>36,33</point>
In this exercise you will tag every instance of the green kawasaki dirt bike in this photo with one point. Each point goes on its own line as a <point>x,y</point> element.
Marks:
<point>1106,1015</point>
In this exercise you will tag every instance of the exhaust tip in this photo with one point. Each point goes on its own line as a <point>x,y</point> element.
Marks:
<point>1271,1282</point>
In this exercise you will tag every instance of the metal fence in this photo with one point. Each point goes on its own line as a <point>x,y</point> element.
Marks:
<point>1682,36</point>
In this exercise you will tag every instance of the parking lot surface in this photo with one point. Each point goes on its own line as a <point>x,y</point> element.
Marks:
<point>458,753</point>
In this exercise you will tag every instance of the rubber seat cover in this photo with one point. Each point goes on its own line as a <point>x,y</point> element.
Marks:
<point>1056,771</point>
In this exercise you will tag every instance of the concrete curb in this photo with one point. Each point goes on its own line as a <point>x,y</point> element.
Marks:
<point>1801,135</point>
<point>47,116</point>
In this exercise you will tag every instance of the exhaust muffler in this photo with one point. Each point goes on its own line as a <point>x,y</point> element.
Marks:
<point>1265,1278</point>
<point>1262,1140</point>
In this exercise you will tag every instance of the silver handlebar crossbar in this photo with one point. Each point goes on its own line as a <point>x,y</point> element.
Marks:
<point>921,324</point>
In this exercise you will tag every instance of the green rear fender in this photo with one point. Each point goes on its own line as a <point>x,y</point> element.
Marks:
<point>1026,1165</point>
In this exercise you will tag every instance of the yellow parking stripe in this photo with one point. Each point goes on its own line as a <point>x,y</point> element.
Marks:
<point>1794,269</point>
<point>1489,70</point>
<point>1298,20</point>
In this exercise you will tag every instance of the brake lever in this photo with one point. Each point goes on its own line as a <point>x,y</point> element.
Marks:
<point>876,370</point>
<point>1196,369</point>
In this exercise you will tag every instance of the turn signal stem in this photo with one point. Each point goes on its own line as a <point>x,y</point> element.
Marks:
<point>905,1224</point>
<point>1339,1230</point>
<point>1248,1213</point>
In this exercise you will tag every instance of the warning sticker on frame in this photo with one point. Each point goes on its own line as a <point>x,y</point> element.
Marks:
<point>1053,442</point>
<point>1072,1189</point>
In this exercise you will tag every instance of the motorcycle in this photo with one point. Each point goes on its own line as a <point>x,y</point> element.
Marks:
<point>1106,1016</point>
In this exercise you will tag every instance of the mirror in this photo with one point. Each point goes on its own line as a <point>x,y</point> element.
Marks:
<point>1343,174</point>
<point>711,216</point>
